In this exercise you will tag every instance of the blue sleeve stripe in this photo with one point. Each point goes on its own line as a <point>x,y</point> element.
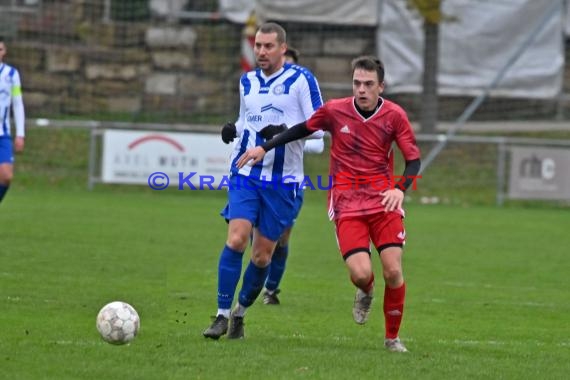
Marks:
<point>246,83</point>
<point>316,98</point>
<point>12,72</point>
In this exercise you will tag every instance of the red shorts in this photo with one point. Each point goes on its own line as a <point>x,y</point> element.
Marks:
<point>354,233</point>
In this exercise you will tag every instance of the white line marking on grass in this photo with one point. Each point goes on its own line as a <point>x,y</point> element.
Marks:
<point>80,342</point>
<point>461,342</point>
<point>486,286</point>
<point>504,303</point>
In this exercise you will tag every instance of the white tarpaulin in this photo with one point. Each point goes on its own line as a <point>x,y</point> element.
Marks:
<point>567,28</point>
<point>483,37</point>
<point>475,47</point>
<point>344,12</point>
<point>236,10</point>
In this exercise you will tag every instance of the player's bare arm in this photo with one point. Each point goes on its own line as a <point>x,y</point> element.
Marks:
<point>19,144</point>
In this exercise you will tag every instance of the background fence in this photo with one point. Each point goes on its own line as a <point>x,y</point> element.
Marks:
<point>175,65</point>
<point>179,61</point>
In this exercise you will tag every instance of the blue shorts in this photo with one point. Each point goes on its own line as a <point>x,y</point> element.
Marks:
<point>6,152</point>
<point>270,209</point>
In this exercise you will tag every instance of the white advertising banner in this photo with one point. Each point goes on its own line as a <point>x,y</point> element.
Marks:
<point>135,157</point>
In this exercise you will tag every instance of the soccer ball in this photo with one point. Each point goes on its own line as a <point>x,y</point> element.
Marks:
<point>118,322</point>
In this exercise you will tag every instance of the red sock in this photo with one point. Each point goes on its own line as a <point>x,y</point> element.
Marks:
<point>393,309</point>
<point>366,288</point>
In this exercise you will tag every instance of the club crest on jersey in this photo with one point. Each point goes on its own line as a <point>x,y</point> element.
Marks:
<point>279,89</point>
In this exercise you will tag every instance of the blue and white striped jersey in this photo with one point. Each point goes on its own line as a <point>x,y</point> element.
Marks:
<point>289,96</point>
<point>11,96</point>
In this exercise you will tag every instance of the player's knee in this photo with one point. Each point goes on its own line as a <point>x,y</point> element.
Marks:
<point>361,278</point>
<point>238,242</point>
<point>261,259</point>
<point>393,276</point>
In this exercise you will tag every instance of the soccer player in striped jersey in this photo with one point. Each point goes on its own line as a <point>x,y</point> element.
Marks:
<point>363,203</point>
<point>261,198</point>
<point>10,97</point>
<point>281,252</point>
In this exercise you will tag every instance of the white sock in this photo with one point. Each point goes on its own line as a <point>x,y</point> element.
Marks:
<point>224,312</point>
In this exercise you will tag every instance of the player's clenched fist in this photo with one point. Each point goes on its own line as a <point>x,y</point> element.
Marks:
<point>271,130</point>
<point>229,132</point>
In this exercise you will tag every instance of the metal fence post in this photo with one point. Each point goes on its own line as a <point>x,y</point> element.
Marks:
<point>501,165</point>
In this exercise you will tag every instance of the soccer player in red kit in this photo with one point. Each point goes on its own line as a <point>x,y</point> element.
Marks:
<point>364,202</point>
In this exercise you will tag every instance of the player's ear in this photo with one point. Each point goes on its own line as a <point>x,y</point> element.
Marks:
<point>381,86</point>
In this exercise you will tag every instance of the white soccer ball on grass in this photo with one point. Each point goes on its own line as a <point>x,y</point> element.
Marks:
<point>118,322</point>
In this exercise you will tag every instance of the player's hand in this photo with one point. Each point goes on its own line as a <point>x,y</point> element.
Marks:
<point>251,156</point>
<point>229,132</point>
<point>19,144</point>
<point>393,199</point>
<point>271,130</point>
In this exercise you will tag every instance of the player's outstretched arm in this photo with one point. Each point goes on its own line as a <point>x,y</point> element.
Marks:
<point>254,155</point>
<point>271,131</point>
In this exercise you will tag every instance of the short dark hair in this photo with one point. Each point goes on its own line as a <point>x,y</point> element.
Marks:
<point>293,53</point>
<point>273,27</point>
<point>2,39</point>
<point>369,63</point>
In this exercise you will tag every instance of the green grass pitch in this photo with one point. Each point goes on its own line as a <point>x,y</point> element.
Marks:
<point>488,293</point>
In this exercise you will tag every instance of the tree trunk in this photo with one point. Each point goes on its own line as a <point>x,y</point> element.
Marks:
<point>429,111</point>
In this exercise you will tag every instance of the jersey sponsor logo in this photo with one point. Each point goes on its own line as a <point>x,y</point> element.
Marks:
<point>345,129</point>
<point>254,118</point>
<point>279,89</point>
<point>269,115</point>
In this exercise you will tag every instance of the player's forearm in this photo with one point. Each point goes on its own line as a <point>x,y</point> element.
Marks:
<point>410,174</point>
<point>19,115</point>
<point>294,133</point>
